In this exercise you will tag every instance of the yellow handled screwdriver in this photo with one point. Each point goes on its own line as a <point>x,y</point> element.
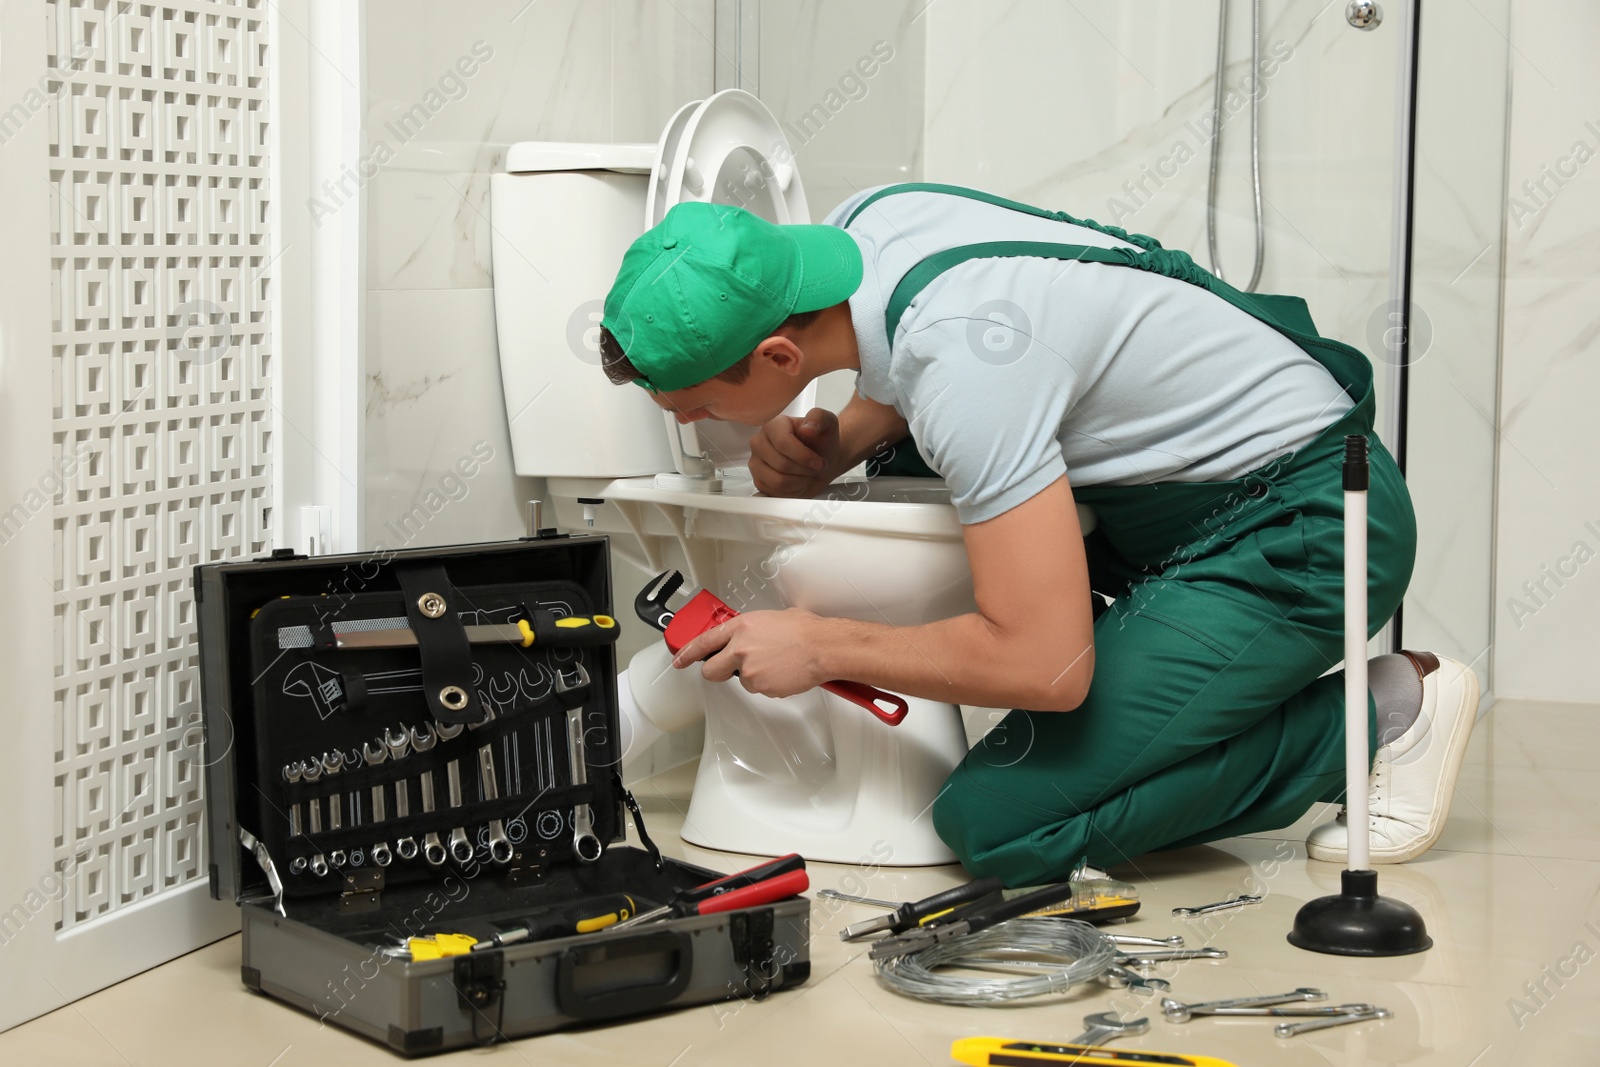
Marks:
<point>585,917</point>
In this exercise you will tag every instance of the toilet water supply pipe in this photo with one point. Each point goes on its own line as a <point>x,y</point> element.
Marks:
<point>1357,762</point>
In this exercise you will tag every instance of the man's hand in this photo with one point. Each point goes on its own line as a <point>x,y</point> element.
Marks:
<point>769,649</point>
<point>792,456</point>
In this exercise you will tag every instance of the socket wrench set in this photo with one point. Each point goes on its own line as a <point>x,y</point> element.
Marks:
<point>412,765</point>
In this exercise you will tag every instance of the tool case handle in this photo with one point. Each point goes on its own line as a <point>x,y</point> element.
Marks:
<point>583,968</point>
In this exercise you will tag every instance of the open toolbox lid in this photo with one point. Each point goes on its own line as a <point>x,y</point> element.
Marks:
<point>233,597</point>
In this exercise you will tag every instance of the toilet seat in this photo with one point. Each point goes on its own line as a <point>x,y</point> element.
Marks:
<point>726,149</point>
<point>656,200</point>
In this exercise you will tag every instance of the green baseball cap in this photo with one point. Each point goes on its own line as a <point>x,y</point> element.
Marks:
<point>702,287</point>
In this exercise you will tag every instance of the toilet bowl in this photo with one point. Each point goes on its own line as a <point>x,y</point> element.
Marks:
<point>810,773</point>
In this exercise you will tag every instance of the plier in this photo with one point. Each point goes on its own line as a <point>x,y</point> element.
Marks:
<point>705,611</point>
<point>925,910</point>
<point>968,920</point>
<point>774,880</point>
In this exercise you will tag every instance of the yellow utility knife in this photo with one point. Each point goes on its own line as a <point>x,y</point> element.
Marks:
<point>439,946</point>
<point>1003,1052</point>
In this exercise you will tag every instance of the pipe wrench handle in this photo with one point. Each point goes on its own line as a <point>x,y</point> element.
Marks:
<point>889,707</point>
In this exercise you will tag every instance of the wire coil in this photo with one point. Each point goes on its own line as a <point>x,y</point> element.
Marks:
<point>1049,955</point>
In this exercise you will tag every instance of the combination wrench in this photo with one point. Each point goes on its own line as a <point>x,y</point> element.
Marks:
<point>398,748</point>
<point>585,845</point>
<point>499,844</point>
<point>422,740</point>
<point>332,764</point>
<point>1177,1011</point>
<point>311,771</point>
<point>291,774</point>
<point>460,846</point>
<point>1104,1026</point>
<point>1365,1013</point>
<point>374,754</point>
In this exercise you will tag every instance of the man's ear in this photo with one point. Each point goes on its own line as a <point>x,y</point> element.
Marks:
<point>781,353</point>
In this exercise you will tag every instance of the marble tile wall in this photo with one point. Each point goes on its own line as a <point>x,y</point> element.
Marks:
<point>1547,596</point>
<point>486,75</point>
<point>1104,111</point>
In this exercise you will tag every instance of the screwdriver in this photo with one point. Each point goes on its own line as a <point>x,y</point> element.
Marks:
<point>582,918</point>
<point>905,916</point>
<point>762,884</point>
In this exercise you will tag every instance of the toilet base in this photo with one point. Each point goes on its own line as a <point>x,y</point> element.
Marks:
<point>830,782</point>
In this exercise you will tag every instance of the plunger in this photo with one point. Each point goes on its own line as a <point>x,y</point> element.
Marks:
<point>1357,922</point>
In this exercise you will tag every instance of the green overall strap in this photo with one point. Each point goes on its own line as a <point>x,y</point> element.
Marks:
<point>1139,239</point>
<point>1286,314</point>
<point>1289,315</point>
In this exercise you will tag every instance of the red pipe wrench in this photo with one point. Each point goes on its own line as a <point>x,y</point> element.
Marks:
<point>705,611</point>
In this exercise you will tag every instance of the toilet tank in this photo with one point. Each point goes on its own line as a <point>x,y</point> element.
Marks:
<point>561,217</point>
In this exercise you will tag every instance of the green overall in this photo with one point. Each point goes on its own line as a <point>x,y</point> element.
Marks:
<point>1206,717</point>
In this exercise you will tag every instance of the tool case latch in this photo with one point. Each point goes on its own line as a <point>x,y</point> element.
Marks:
<point>751,935</point>
<point>481,985</point>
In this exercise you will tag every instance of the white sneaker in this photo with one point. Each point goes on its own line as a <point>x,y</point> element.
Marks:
<point>1414,776</point>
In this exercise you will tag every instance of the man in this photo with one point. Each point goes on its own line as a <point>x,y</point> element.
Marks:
<point>1034,361</point>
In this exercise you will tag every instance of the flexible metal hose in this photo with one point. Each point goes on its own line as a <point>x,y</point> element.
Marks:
<point>1051,954</point>
<point>1255,139</point>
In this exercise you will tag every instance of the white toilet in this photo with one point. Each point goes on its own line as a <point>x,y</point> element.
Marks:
<point>813,773</point>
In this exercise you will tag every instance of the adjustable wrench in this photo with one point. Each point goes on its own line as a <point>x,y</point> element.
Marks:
<point>422,739</point>
<point>311,771</point>
<point>333,763</point>
<point>375,754</point>
<point>398,747</point>
<point>460,846</point>
<point>291,774</point>
<point>585,845</point>
<point>499,844</point>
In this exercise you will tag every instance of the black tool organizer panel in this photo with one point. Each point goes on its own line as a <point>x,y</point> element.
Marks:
<point>317,704</point>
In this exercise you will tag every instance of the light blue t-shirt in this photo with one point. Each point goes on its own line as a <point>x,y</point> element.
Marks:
<point>1014,371</point>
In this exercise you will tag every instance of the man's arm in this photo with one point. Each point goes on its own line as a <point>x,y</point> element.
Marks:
<point>1029,645</point>
<point>865,427</point>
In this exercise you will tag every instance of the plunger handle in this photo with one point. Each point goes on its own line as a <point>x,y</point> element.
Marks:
<point>1357,763</point>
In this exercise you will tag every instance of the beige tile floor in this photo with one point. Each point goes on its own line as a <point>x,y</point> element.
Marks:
<point>1512,889</point>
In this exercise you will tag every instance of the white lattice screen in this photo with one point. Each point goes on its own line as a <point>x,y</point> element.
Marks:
<point>162,370</point>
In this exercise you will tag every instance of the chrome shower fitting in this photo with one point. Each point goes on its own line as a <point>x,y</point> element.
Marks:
<point>1255,140</point>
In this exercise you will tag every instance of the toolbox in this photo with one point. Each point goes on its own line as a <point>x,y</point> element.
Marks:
<point>406,746</point>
